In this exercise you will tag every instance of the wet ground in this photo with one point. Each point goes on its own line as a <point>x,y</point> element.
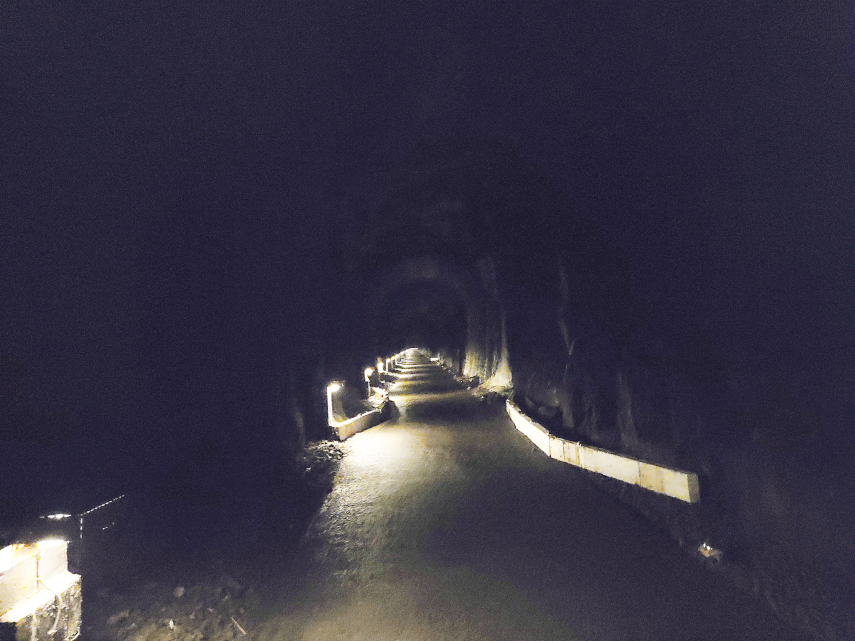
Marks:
<point>445,523</point>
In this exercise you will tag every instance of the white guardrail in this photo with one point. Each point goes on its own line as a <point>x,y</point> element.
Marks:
<point>347,428</point>
<point>663,480</point>
<point>40,599</point>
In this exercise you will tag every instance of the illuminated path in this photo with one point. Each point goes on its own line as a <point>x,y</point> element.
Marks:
<point>445,524</point>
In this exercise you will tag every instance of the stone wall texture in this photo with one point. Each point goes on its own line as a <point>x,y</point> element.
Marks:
<point>546,313</point>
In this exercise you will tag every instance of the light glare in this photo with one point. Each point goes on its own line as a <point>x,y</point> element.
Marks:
<point>49,543</point>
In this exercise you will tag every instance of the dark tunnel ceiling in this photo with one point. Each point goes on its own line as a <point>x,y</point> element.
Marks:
<point>467,199</point>
<point>425,314</point>
<point>463,197</point>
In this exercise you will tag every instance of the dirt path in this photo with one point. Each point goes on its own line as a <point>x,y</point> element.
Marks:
<point>443,523</point>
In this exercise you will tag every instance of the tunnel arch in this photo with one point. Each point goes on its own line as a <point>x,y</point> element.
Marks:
<point>468,289</point>
<point>425,313</point>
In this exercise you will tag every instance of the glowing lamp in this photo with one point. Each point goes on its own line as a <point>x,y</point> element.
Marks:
<point>332,388</point>
<point>368,372</point>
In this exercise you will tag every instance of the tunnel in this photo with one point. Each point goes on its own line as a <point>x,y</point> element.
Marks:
<point>615,238</point>
<point>443,305</point>
<point>518,307</point>
<point>516,304</point>
<point>472,257</point>
<point>424,312</point>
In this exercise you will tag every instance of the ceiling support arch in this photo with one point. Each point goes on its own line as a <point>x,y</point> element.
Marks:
<point>473,286</point>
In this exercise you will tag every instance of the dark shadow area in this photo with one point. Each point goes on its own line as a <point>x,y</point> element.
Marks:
<point>421,312</point>
<point>228,518</point>
<point>449,408</point>
<point>201,554</point>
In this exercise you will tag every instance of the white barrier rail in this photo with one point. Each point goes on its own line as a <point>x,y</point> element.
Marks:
<point>40,599</point>
<point>663,480</point>
<point>347,428</point>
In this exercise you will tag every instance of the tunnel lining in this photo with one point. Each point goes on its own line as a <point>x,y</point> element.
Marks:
<point>474,286</point>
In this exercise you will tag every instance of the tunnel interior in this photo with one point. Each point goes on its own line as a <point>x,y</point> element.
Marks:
<point>479,261</point>
<point>424,313</point>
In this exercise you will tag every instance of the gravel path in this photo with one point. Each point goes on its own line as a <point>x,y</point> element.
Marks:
<point>444,523</point>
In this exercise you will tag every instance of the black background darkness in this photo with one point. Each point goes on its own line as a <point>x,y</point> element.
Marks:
<point>175,180</point>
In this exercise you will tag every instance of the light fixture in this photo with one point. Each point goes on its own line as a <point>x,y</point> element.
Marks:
<point>332,388</point>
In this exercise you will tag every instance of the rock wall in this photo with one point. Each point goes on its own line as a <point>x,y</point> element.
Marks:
<point>769,472</point>
<point>545,305</point>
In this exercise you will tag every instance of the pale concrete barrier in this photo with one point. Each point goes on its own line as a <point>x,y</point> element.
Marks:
<point>40,599</point>
<point>565,451</point>
<point>663,480</point>
<point>348,427</point>
<point>536,433</point>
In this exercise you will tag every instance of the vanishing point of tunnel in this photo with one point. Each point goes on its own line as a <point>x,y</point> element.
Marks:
<point>612,236</point>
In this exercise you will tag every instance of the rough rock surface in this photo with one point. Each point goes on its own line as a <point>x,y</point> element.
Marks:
<point>136,594</point>
<point>549,310</point>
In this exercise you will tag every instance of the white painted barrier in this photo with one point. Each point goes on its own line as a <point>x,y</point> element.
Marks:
<point>663,480</point>
<point>537,434</point>
<point>40,599</point>
<point>348,427</point>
